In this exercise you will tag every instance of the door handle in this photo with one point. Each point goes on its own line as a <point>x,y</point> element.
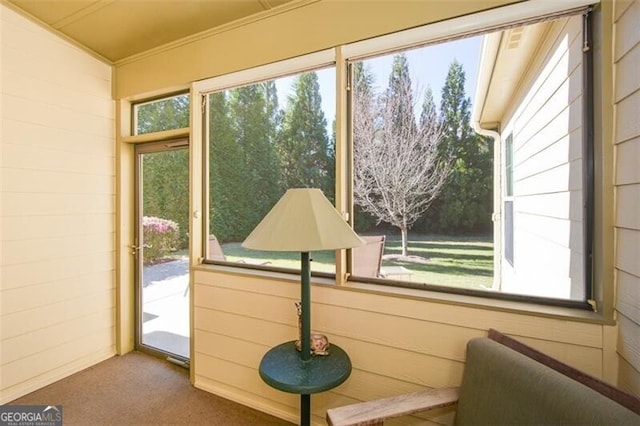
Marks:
<point>136,248</point>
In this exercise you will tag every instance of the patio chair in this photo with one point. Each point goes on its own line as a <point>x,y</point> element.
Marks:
<point>367,259</point>
<point>215,249</point>
<point>216,253</point>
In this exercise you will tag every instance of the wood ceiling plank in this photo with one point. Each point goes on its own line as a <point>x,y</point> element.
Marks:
<point>51,12</point>
<point>116,29</point>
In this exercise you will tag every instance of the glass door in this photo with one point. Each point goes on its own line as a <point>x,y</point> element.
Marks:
<point>161,248</point>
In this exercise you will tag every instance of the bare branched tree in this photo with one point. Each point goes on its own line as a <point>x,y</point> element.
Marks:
<point>398,169</point>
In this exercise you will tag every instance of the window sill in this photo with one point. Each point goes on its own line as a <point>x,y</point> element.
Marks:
<point>471,301</point>
<point>157,136</point>
<point>480,302</point>
<point>265,272</point>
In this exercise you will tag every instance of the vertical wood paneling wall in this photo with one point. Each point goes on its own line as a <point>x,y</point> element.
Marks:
<point>396,344</point>
<point>627,179</point>
<point>545,123</point>
<point>57,208</point>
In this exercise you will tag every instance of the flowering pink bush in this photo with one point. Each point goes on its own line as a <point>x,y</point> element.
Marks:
<point>160,237</point>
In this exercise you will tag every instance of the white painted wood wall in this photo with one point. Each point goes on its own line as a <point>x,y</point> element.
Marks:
<point>396,344</point>
<point>545,121</point>
<point>627,179</point>
<point>57,305</point>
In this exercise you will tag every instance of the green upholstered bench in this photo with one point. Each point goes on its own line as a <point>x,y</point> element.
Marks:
<point>508,383</point>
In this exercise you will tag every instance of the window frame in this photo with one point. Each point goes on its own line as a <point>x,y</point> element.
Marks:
<point>201,90</point>
<point>600,297</point>
<point>508,224</point>
<point>147,101</point>
<point>481,23</point>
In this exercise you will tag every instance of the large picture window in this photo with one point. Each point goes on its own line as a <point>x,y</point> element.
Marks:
<point>416,158</point>
<point>430,126</point>
<point>263,139</point>
<point>464,166</point>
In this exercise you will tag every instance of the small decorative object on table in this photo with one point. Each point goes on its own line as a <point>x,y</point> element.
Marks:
<point>319,342</point>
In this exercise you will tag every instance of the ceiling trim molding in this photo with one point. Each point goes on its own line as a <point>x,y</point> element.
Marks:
<point>287,7</point>
<point>61,23</point>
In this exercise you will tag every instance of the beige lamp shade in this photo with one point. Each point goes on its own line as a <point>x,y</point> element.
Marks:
<point>302,220</point>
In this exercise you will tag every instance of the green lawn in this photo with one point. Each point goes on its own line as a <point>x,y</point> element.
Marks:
<point>452,261</point>
<point>320,261</point>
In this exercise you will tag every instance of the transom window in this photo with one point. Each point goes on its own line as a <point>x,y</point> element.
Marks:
<point>168,113</point>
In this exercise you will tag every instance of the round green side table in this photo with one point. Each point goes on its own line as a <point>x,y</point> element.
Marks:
<point>283,368</point>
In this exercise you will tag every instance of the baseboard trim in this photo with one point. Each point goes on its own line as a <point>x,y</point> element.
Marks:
<point>52,376</point>
<point>239,396</point>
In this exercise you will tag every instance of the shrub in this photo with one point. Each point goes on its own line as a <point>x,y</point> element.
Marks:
<point>161,236</point>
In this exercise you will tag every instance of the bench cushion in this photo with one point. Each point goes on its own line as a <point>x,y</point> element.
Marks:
<point>503,387</point>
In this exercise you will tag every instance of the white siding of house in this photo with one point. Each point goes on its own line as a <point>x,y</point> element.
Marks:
<point>57,208</point>
<point>627,144</point>
<point>396,344</point>
<point>545,120</point>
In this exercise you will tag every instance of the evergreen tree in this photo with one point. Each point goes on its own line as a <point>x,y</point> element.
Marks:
<point>228,188</point>
<point>363,81</point>
<point>465,204</point>
<point>399,96</point>
<point>272,109</point>
<point>364,102</point>
<point>252,129</point>
<point>304,149</point>
<point>429,113</point>
<point>166,114</point>
<point>166,174</point>
<point>165,188</point>
<point>331,175</point>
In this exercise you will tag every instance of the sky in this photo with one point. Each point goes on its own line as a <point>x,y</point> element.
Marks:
<point>428,66</point>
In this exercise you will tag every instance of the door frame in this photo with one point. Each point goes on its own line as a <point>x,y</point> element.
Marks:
<point>138,151</point>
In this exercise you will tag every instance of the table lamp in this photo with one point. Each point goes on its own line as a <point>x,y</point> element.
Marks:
<point>303,220</point>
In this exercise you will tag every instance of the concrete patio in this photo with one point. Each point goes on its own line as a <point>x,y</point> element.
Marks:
<point>165,306</point>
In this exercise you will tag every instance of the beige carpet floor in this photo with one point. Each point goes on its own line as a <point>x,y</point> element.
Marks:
<point>138,389</point>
